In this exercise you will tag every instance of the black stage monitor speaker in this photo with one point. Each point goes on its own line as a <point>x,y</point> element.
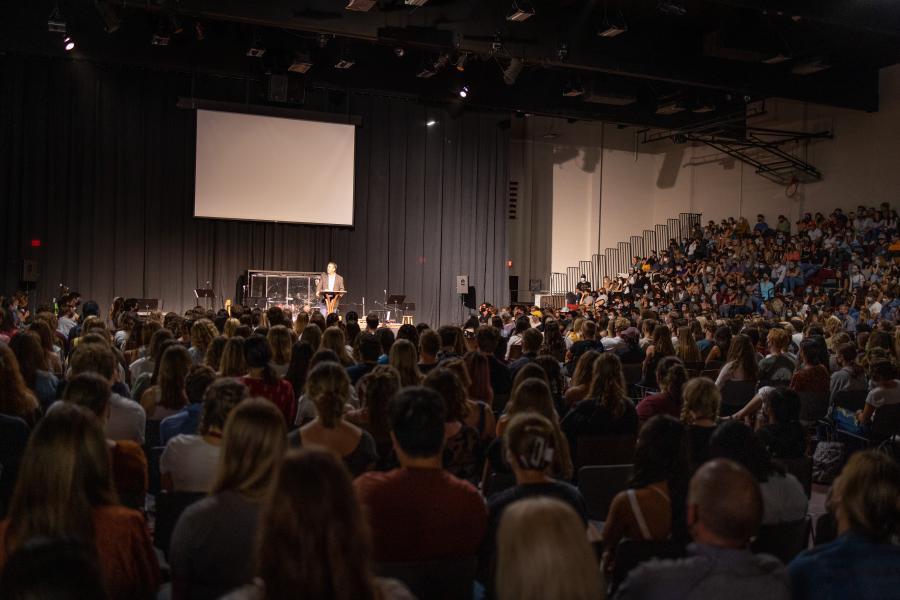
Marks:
<point>513,289</point>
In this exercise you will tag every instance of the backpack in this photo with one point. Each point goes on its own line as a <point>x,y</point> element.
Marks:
<point>828,460</point>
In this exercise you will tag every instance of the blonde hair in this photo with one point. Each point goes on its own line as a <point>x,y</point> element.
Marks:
<point>700,396</point>
<point>231,326</point>
<point>867,493</point>
<point>253,445</point>
<point>233,363</point>
<point>543,552</point>
<point>279,337</point>
<point>328,386</point>
<point>404,358</point>
<point>202,333</point>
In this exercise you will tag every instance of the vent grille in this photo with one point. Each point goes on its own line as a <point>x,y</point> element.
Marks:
<point>512,200</point>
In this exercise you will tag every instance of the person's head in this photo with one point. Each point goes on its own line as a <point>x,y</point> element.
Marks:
<point>333,339</point>
<point>313,538</point>
<point>451,339</point>
<point>542,552</point>
<point>608,384</point>
<point>376,389</point>
<point>479,371</point>
<point>417,416</point>
<point>279,338</point>
<point>742,354</point>
<point>219,399</point>
<point>725,505</point>
<point>369,348</point>
<point>487,338</point>
<point>700,399</point>
<point>584,368</point>
<point>386,338</point>
<point>64,474</point>
<point>202,333</point>
<point>687,346</point>
<point>173,370</point>
<point>331,268</point>
<point>532,395</point>
<point>301,355</point>
<point>429,344</point>
<point>199,378</point>
<point>253,445</point>
<point>328,387</point>
<point>53,568</point>
<point>531,341</point>
<point>735,441</point>
<point>671,376</point>
<point>660,454</point>
<point>409,332</point>
<point>662,341</point>
<point>230,327</point>
<point>94,358</point>
<point>530,442</point>
<point>404,358</point>
<point>372,321</point>
<point>778,340</point>
<point>213,358</point>
<point>813,352</point>
<point>451,390</point>
<point>881,371</point>
<point>528,371</point>
<point>233,363</point>
<point>589,330</point>
<point>312,335</point>
<point>31,356</point>
<point>44,333</point>
<point>866,496</point>
<point>722,338</point>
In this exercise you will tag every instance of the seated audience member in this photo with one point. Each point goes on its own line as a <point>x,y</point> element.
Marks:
<point>386,339</point>
<point>488,340</point>
<point>168,396</point>
<point>127,419</point>
<point>687,349</point>
<point>581,380</point>
<point>262,380</point>
<point>301,355</point>
<point>724,511</point>
<point>850,376</point>
<point>699,413</point>
<point>630,353</point>
<point>479,414</point>
<point>376,390</point>
<point>608,410</point>
<point>279,338</point>
<point>719,350</point>
<point>329,389</point>
<point>741,364</point>
<point>65,490</point>
<point>655,494</point>
<point>863,562</point>
<point>462,444</point>
<point>188,464</point>
<point>213,358</point>
<point>187,420</point>
<point>885,392</point>
<point>587,343</point>
<point>53,567</point>
<point>369,350</point>
<point>553,344</point>
<point>127,460</point>
<point>404,358</point>
<point>671,377</point>
<point>783,497</point>
<point>233,363</point>
<point>51,351</point>
<point>661,347</point>
<point>202,334</point>
<point>313,538</point>
<point>522,325</point>
<point>34,367</point>
<point>16,400</point>
<point>333,339</point>
<point>143,369</point>
<point>429,346</point>
<point>783,436</point>
<point>13,439</point>
<point>778,365</point>
<point>531,344</point>
<point>211,551</point>
<point>420,512</point>
<point>542,553</point>
<point>530,396</point>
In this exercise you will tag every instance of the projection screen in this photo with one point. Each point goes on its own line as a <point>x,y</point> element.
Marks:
<point>262,168</point>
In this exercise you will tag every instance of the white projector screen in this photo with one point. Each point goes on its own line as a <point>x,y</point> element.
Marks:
<point>261,168</point>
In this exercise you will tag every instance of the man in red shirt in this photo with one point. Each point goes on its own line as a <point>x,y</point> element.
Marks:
<point>420,512</point>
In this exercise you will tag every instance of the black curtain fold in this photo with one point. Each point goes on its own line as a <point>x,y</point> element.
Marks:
<point>98,163</point>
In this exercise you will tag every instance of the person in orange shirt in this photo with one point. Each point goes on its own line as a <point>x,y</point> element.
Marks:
<point>65,475</point>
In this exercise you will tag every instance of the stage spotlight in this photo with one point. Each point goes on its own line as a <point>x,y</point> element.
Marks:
<point>461,61</point>
<point>111,20</point>
<point>431,123</point>
<point>345,61</point>
<point>614,26</point>
<point>68,43</point>
<point>361,5</point>
<point>464,91</point>
<point>511,73</point>
<point>521,10</point>
<point>399,52</point>
<point>302,63</point>
<point>415,2</point>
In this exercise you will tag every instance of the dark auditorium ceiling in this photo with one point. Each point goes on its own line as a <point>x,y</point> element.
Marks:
<point>670,64</point>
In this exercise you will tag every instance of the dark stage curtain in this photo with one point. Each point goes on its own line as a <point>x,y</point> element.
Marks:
<point>98,163</point>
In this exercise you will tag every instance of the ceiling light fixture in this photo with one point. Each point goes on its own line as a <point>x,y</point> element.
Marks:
<point>669,108</point>
<point>809,67</point>
<point>464,91</point>
<point>68,44</point>
<point>776,59</point>
<point>520,11</point>
<point>55,22</point>
<point>430,123</point>
<point>361,5</point>
<point>461,61</point>
<point>612,27</point>
<point>573,90</point>
<point>302,63</point>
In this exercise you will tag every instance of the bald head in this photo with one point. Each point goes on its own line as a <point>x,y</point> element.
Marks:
<point>724,504</point>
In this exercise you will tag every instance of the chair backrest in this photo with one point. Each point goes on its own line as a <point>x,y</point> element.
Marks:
<point>632,373</point>
<point>802,469</point>
<point>631,553</point>
<point>813,406</point>
<point>852,400</point>
<point>600,484</point>
<point>772,383</point>
<point>604,450</point>
<point>784,540</point>
<point>515,352</point>
<point>497,482</point>
<point>169,506</point>
<point>886,421</point>
<point>441,580</point>
<point>151,433</point>
<point>153,476</point>
<point>735,395</point>
<point>710,373</point>
<point>694,368</point>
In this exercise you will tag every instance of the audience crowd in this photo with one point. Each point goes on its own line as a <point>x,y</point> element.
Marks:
<point>529,453</point>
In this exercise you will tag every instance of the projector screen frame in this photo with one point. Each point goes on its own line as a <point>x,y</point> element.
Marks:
<point>195,104</point>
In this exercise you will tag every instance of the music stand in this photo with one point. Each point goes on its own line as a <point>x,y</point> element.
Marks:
<point>205,293</point>
<point>145,306</point>
<point>393,304</point>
